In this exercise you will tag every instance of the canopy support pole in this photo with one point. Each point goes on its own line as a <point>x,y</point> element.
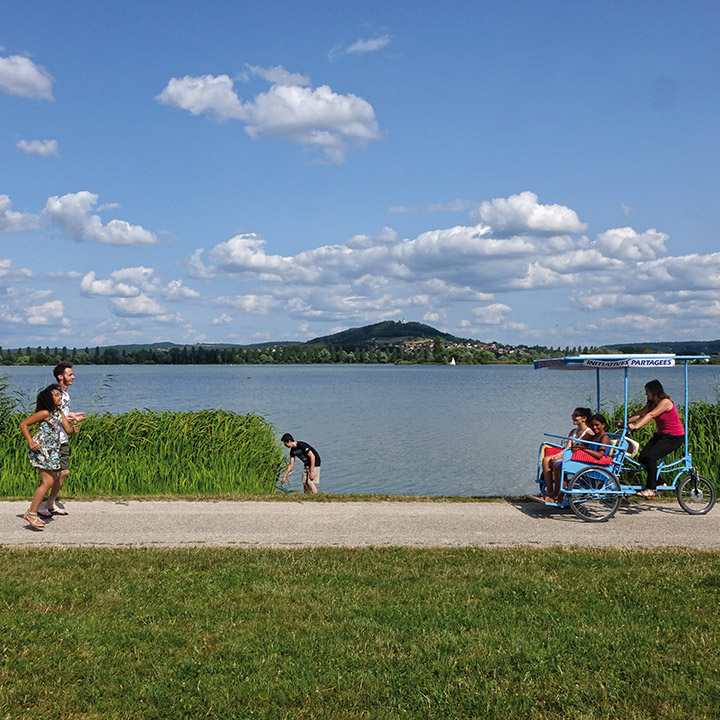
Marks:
<point>687,408</point>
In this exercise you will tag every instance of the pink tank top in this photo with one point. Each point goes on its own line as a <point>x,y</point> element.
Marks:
<point>669,422</point>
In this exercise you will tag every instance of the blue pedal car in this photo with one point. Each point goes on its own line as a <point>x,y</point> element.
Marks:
<point>594,492</point>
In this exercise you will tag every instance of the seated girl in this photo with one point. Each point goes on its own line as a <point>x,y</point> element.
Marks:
<point>553,455</point>
<point>589,451</point>
<point>585,451</point>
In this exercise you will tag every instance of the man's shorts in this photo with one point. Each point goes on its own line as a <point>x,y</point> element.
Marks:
<point>306,475</point>
<point>64,456</point>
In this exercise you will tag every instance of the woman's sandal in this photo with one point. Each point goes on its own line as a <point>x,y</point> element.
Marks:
<point>33,519</point>
<point>647,494</point>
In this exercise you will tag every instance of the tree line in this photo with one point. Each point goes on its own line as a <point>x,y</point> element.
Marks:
<point>432,353</point>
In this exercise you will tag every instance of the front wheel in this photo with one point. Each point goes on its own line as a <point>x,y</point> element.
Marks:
<point>696,494</point>
<point>594,494</point>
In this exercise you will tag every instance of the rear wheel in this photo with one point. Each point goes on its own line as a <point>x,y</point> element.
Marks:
<point>594,494</point>
<point>696,494</point>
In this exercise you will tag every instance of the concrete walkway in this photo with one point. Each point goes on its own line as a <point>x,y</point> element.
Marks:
<point>294,523</point>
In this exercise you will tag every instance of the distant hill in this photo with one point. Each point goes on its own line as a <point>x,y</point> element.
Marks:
<point>382,333</point>
<point>686,347</point>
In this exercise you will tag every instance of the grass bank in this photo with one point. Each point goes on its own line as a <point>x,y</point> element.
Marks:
<point>386,633</point>
<point>144,453</point>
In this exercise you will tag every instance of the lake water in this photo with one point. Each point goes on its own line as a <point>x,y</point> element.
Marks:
<point>417,430</point>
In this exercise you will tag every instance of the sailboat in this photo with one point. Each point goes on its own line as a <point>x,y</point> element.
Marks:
<point>452,361</point>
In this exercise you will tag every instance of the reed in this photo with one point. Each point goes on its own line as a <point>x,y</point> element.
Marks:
<point>157,453</point>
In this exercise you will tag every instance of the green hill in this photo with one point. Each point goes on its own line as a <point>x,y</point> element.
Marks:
<point>382,333</point>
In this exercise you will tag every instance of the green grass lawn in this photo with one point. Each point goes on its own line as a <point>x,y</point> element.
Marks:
<point>368,633</point>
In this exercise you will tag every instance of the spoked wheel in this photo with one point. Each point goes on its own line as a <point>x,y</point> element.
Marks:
<point>594,494</point>
<point>696,494</point>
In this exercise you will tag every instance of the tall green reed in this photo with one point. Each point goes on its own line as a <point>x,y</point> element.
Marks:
<point>148,453</point>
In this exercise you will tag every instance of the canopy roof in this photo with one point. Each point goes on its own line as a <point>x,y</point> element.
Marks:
<point>614,362</point>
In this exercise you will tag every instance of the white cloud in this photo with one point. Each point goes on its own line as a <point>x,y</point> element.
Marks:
<point>89,285</point>
<point>523,214</point>
<point>626,244</point>
<point>213,95</point>
<point>245,252</point>
<point>362,46</point>
<point>8,271</point>
<point>43,148</point>
<point>223,319</point>
<point>253,304</point>
<point>139,306</point>
<point>175,291</point>
<point>278,75</point>
<point>315,118</point>
<point>491,314</point>
<point>196,268</point>
<point>22,77</point>
<point>11,221</point>
<point>50,313</point>
<point>70,214</point>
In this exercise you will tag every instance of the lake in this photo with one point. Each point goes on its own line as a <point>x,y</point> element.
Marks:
<point>403,430</point>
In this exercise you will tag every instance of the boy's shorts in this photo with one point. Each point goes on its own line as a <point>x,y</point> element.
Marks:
<point>306,475</point>
<point>64,456</point>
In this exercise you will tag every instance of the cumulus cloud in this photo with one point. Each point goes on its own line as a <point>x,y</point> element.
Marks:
<point>493,314</point>
<point>11,221</point>
<point>436,273</point>
<point>176,291</point>
<point>315,118</point>
<point>520,214</point>
<point>223,319</point>
<point>91,286</point>
<point>139,306</point>
<point>43,148</point>
<point>626,244</point>
<point>49,313</point>
<point>20,76</point>
<point>70,213</point>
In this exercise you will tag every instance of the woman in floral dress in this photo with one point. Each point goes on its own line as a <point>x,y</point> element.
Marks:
<point>44,452</point>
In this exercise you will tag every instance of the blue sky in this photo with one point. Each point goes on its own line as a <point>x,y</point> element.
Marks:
<point>542,173</point>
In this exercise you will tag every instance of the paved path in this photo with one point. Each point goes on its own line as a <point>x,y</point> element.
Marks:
<point>355,524</point>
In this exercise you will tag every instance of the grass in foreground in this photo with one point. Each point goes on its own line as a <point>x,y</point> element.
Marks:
<point>328,633</point>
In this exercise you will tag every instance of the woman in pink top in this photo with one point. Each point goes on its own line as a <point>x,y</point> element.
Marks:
<point>669,436</point>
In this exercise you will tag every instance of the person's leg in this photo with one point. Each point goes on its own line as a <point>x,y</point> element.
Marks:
<point>309,486</point>
<point>558,474</point>
<point>47,478</point>
<point>50,505</point>
<point>657,447</point>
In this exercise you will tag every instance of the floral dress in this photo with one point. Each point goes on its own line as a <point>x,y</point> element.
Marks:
<point>48,437</point>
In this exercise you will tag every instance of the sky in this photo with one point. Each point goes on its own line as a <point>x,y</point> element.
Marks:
<point>521,172</point>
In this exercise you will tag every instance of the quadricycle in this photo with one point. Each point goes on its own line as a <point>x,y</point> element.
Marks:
<point>594,492</point>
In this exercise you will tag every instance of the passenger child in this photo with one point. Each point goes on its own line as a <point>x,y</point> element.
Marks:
<point>581,418</point>
<point>44,452</point>
<point>595,452</point>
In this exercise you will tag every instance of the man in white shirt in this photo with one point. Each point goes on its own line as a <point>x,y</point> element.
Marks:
<point>64,376</point>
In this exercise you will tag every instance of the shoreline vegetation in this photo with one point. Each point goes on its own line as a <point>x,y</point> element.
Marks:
<point>220,454</point>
